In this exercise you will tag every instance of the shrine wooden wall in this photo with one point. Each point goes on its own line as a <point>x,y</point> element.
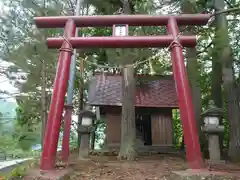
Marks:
<point>161,123</point>
<point>113,131</point>
<point>162,129</point>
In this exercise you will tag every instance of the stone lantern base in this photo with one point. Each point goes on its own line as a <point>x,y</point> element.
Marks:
<point>215,162</point>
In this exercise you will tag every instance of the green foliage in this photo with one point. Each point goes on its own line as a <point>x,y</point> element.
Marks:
<point>6,143</point>
<point>10,147</point>
<point>27,125</point>
<point>19,172</point>
<point>100,133</point>
<point>177,126</point>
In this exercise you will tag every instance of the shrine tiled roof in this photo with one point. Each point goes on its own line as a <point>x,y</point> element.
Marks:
<point>152,91</point>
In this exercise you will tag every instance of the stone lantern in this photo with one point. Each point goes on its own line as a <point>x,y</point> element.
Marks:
<point>85,130</point>
<point>212,128</point>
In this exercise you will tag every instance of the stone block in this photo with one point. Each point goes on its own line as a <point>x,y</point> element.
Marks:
<point>216,162</point>
<point>85,129</point>
<point>203,174</point>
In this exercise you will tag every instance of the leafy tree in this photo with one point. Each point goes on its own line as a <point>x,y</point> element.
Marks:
<point>34,65</point>
<point>27,125</point>
<point>224,50</point>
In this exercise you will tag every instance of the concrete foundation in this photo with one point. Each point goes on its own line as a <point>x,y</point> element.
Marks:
<point>204,174</point>
<point>216,162</point>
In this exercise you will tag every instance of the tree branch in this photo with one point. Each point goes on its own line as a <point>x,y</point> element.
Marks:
<point>205,49</point>
<point>229,4</point>
<point>227,11</point>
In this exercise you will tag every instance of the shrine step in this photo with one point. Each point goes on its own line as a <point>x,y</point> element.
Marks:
<point>157,149</point>
<point>144,149</point>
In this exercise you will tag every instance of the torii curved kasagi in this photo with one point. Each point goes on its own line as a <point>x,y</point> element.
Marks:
<point>173,40</point>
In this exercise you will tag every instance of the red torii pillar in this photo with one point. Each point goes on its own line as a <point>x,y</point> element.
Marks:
<point>57,101</point>
<point>174,41</point>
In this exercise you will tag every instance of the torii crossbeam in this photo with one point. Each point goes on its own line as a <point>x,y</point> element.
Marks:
<point>173,40</point>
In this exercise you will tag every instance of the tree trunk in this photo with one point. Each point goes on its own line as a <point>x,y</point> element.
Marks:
<point>222,46</point>
<point>43,101</point>
<point>128,129</point>
<point>216,89</point>
<point>81,101</point>
<point>217,80</point>
<point>193,70</point>
<point>81,89</point>
<point>194,81</point>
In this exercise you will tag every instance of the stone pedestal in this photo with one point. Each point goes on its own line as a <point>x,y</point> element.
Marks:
<point>213,129</point>
<point>84,147</point>
<point>213,142</point>
<point>85,129</point>
<point>213,147</point>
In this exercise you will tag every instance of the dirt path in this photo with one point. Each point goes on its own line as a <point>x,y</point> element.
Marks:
<point>157,167</point>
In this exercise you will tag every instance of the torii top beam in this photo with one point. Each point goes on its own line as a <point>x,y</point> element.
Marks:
<point>131,20</point>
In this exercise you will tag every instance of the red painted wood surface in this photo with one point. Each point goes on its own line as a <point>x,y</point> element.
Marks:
<point>122,42</point>
<point>131,20</point>
<point>57,102</point>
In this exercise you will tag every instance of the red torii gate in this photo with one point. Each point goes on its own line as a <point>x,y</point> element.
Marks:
<point>173,40</point>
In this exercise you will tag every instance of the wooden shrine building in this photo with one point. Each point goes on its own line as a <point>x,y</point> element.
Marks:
<point>155,98</point>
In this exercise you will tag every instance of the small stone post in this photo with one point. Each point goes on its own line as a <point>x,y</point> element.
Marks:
<point>85,129</point>
<point>212,128</point>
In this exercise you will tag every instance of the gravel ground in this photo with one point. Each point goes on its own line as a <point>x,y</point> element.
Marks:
<point>156,167</point>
